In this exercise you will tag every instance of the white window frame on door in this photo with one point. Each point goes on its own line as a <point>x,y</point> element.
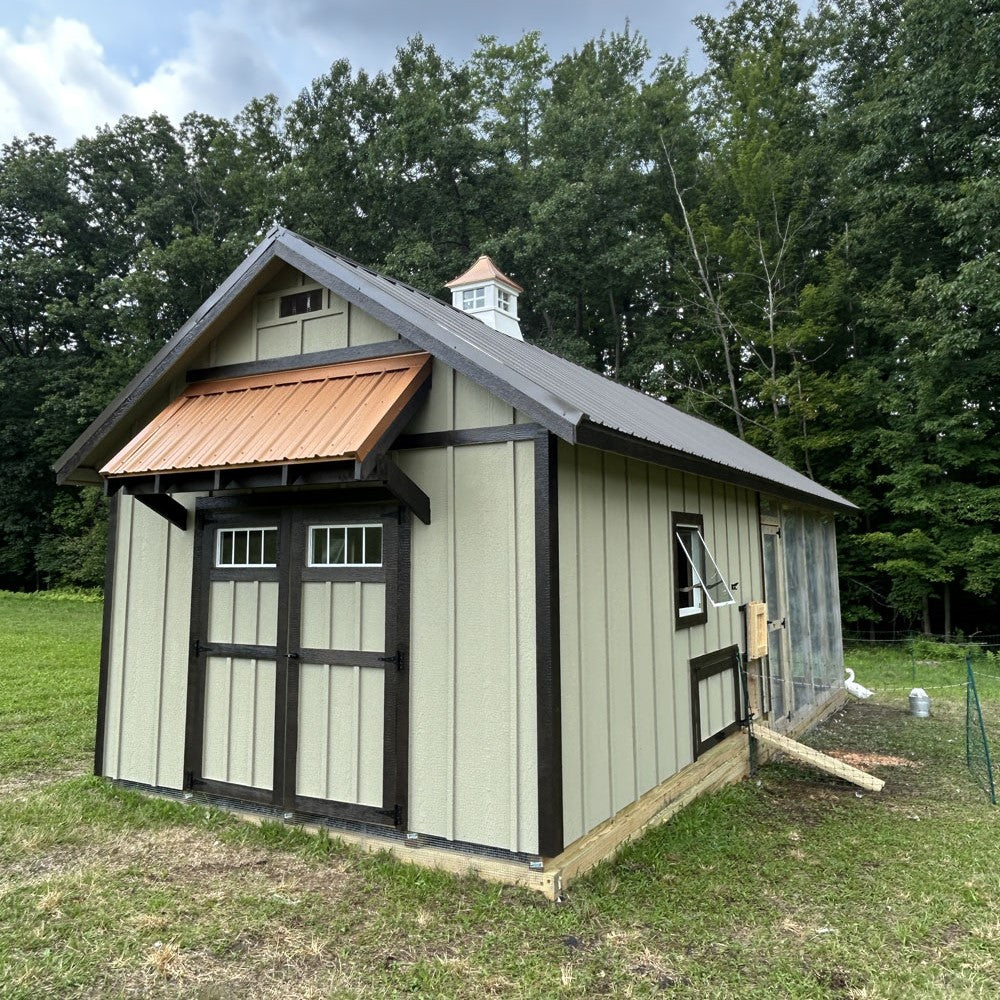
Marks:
<point>310,551</point>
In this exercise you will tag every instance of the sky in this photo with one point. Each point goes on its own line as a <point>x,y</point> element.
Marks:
<point>66,67</point>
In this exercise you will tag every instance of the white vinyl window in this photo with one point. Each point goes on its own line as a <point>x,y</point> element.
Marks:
<point>700,571</point>
<point>474,298</point>
<point>247,548</point>
<point>503,299</point>
<point>345,545</point>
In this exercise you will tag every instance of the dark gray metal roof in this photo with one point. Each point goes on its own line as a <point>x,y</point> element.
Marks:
<point>569,400</point>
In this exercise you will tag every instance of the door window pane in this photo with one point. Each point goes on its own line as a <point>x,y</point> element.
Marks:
<point>355,545</point>
<point>345,545</point>
<point>254,548</point>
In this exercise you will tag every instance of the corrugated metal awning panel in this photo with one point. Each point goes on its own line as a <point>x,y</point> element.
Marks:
<point>306,415</point>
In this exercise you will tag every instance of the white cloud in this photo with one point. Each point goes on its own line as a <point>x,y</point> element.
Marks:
<point>56,79</point>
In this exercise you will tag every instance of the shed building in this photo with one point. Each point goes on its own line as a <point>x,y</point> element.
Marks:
<point>376,564</point>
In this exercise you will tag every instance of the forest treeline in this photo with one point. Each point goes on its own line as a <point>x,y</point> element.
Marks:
<point>801,243</point>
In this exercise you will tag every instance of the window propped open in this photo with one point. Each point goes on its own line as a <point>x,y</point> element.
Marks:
<point>692,544</point>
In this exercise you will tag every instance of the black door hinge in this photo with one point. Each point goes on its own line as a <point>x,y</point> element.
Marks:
<point>396,658</point>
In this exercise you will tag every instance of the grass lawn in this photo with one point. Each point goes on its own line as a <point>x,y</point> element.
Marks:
<point>788,885</point>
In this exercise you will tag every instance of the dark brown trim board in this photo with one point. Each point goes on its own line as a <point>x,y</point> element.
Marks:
<point>547,662</point>
<point>335,356</point>
<point>499,433</point>
<point>716,662</point>
<point>678,518</point>
<point>109,601</point>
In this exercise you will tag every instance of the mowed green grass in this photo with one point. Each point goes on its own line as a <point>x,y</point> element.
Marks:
<point>49,653</point>
<point>787,885</point>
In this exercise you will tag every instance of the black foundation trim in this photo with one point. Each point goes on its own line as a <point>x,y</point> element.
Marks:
<point>708,666</point>
<point>109,602</point>
<point>335,356</point>
<point>547,663</point>
<point>476,435</point>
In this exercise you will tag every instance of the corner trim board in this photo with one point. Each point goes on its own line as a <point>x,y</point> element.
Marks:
<point>109,603</point>
<point>551,837</point>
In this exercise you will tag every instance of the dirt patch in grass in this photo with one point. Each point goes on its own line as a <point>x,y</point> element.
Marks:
<point>869,760</point>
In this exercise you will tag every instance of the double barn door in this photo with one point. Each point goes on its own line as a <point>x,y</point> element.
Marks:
<point>297,681</point>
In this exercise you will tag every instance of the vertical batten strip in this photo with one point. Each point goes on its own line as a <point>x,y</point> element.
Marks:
<point>169,528</point>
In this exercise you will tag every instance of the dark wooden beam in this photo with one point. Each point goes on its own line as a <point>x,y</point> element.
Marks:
<point>475,435</point>
<point>335,356</point>
<point>404,489</point>
<point>166,506</point>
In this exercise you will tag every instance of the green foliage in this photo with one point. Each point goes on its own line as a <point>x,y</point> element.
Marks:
<point>800,243</point>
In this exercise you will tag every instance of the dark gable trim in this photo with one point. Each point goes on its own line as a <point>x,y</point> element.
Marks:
<point>547,662</point>
<point>289,363</point>
<point>109,601</point>
<point>595,436</point>
<point>345,279</point>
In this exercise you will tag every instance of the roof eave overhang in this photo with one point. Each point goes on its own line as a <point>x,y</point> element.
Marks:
<point>595,435</point>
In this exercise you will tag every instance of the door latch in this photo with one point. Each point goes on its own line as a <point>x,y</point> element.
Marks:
<point>396,658</point>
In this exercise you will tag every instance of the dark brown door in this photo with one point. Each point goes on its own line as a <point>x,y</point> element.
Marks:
<point>298,677</point>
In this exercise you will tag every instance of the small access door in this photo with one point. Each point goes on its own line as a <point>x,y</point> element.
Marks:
<point>779,659</point>
<point>297,694</point>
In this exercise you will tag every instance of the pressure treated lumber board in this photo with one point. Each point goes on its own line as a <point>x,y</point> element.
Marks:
<point>818,759</point>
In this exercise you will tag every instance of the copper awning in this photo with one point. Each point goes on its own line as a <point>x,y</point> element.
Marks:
<point>329,413</point>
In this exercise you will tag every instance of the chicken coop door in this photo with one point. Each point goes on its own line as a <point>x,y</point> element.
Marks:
<point>297,680</point>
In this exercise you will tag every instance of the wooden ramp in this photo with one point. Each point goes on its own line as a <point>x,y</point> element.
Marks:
<point>818,759</point>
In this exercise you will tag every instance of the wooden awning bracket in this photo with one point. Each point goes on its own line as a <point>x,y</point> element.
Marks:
<point>166,506</point>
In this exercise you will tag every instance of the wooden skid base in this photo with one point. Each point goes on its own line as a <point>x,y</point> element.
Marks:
<point>724,764</point>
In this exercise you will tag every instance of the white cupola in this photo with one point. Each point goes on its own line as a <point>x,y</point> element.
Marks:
<point>485,292</point>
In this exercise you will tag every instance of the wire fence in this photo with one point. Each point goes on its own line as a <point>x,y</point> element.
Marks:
<point>977,744</point>
<point>882,728</point>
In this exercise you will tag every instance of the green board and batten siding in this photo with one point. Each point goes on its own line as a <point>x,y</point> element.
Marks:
<point>626,689</point>
<point>148,648</point>
<point>472,590</point>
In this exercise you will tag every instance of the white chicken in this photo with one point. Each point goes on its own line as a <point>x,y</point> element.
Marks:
<point>858,690</point>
